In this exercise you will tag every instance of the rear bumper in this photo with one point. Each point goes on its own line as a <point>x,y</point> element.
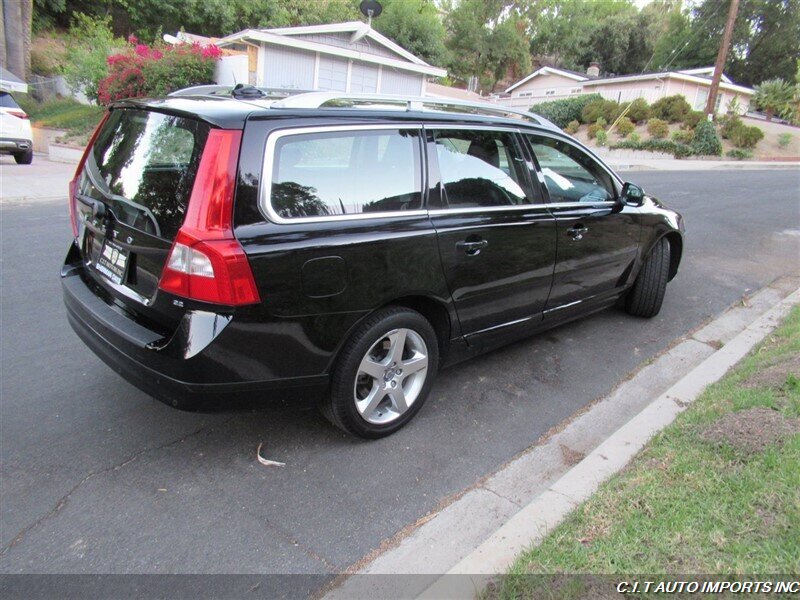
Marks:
<point>14,145</point>
<point>157,364</point>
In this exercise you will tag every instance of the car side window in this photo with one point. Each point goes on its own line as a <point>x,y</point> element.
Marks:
<point>346,173</point>
<point>570,174</point>
<point>481,169</point>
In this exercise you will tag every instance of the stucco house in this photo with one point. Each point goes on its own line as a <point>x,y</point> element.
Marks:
<point>346,57</point>
<point>550,83</point>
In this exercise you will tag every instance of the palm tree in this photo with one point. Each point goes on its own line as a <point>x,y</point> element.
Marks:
<point>772,96</point>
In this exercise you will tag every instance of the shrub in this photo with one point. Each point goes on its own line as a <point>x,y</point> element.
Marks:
<point>602,137</point>
<point>667,146</point>
<point>706,142</point>
<point>602,122</point>
<point>657,128</point>
<point>561,112</point>
<point>593,129</point>
<point>635,138</point>
<point>89,42</point>
<point>624,127</point>
<point>592,111</point>
<point>156,71</point>
<point>746,137</point>
<point>671,108</point>
<point>639,111</point>
<point>572,127</point>
<point>692,118</point>
<point>606,109</point>
<point>739,154</point>
<point>728,124</point>
<point>784,139</point>
<point>773,96</point>
<point>682,136</point>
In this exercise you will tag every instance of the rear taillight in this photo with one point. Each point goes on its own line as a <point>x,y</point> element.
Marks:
<point>73,185</point>
<point>206,261</point>
<point>20,114</point>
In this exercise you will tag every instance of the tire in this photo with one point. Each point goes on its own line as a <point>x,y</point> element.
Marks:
<point>24,158</point>
<point>647,294</point>
<point>376,404</point>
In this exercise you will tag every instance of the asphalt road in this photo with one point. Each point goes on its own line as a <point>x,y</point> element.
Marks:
<point>99,478</point>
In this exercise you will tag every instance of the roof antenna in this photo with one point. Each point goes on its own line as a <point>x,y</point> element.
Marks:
<point>368,8</point>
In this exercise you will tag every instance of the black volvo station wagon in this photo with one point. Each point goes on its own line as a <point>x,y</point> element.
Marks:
<point>229,244</point>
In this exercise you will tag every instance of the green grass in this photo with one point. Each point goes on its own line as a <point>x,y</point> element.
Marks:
<point>78,120</point>
<point>686,505</point>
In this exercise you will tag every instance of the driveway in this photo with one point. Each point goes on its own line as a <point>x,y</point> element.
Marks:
<point>99,478</point>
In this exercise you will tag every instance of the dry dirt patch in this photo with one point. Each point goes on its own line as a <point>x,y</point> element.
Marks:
<point>751,430</point>
<point>775,375</point>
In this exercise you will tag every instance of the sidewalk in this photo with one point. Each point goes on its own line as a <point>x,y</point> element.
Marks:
<point>636,162</point>
<point>483,530</point>
<point>43,180</point>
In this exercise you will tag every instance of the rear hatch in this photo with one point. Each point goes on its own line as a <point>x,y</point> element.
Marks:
<point>130,201</point>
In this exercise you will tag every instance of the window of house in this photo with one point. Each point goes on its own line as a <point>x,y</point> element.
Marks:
<point>549,92</point>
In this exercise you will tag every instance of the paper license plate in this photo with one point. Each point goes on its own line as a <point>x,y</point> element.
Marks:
<point>113,261</point>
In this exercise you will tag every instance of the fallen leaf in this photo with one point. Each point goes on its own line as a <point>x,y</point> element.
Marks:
<point>265,462</point>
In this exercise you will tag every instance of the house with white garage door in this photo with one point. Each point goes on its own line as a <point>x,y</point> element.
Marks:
<point>347,57</point>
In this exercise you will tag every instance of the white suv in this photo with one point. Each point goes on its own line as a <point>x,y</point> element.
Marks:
<point>16,136</point>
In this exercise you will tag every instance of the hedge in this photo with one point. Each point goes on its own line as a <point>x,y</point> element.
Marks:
<point>677,150</point>
<point>561,112</point>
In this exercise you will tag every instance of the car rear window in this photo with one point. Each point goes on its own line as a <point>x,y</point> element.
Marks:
<point>143,165</point>
<point>7,101</point>
<point>346,173</point>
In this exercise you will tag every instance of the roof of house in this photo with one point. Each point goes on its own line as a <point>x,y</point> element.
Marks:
<point>693,75</point>
<point>701,75</point>
<point>287,36</point>
<point>11,83</point>
<point>574,75</point>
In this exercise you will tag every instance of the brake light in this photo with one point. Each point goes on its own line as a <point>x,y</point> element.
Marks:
<point>206,261</point>
<point>18,113</point>
<point>73,185</point>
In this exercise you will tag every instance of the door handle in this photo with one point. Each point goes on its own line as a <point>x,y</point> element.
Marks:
<point>472,248</point>
<point>576,232</point>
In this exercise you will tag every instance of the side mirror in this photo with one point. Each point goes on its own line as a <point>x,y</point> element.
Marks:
<point>632,194</point>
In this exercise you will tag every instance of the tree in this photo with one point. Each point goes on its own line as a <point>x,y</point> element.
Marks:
<point>765,42</point>
<point>415,25</point>
<point>16,36</point>
<point>773,96</point>
<point>573,33</point>
<point>486,39</point>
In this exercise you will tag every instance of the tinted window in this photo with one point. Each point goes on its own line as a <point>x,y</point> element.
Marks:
<point>570,174</point>
<point>346,173</point>
<point>143,165</point>
<point>7,101</point>
<point>481,168</point>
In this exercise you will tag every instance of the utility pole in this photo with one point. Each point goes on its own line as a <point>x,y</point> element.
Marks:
<point>721,56</point>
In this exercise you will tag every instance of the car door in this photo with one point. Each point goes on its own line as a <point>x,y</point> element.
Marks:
<point>598,238</point>
<point>496,239</point>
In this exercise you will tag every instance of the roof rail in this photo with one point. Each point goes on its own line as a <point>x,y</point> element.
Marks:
<point>407,103</point>
<point>202,90</point>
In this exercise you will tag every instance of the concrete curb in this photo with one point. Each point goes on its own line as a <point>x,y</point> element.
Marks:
<point>528,526</point>
<point>441,541</point>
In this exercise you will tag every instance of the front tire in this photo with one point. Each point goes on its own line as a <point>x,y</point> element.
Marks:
<point>384,374</point>
<point>647,293</point>
<point>24,158</point>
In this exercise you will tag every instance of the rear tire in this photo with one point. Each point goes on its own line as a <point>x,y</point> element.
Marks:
<point>384,374</point>
<point>24,158</point>
<point>647,294</point>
